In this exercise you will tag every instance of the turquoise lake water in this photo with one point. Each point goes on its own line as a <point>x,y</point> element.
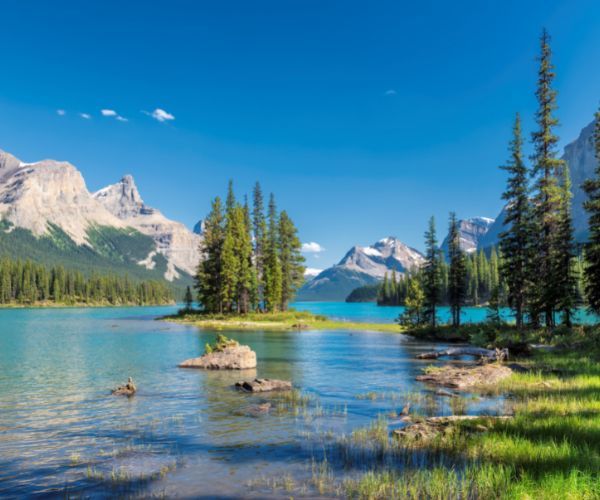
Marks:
<point>187,433</point>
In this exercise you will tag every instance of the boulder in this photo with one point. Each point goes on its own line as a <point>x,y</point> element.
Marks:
<point>264,385</point>
<point>235,357</point>
<point>127,389</point>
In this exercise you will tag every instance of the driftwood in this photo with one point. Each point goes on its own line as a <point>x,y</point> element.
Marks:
<point>487,354</point>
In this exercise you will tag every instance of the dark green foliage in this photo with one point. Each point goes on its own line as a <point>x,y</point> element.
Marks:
<point>592,248</point>
<point>26,283</point>
<point>431,275</point>
<point>188,299</point>
<point>367,293</point>
<point>248,266</point>
<point>517,240</point>
<point>547,199</point>
<point>457,272</point>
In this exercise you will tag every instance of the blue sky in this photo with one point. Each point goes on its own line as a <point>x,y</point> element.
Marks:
<point>364,118</point>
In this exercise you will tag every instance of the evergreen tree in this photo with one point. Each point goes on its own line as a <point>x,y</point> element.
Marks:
<point>292,261</point>
<point>566,253</point>
<point>431,275</point>
<point>188,299</point>
<point>259,229</point>
<point>547,200</point>
<point>209,282</point>
<point>457,273</point>
<point>272,263</point>
<point>413,304</point>
<point>516,239</point>
<point>592,247</point>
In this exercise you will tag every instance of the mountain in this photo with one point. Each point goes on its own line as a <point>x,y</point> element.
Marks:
<point>582,162</point>
<point>361,266</point>
<point>48,215</point>
<point>471,231</point>
<point>179,245</point>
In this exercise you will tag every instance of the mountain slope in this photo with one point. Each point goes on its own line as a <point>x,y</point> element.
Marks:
<point>471,231</point>
<point>582,162</point>
<point>177,243</point>
<point>360,266</point>
<point>48,215</point>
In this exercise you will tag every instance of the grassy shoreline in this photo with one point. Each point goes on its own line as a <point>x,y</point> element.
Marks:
<point>280,322</point>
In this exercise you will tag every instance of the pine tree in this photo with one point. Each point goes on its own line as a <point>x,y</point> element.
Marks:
<point>431,275</point>
<point>209,283</point>
<point>188,299</point>
<point>413,304</point>
<point>457,273</point>
<point>292,261</point>
<point>547,199</point>
<point>272,263</point>
<point>592,247</point>
<point>516,240</point>
<point>259,229</point>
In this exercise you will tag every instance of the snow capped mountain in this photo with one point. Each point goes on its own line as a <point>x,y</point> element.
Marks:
<point>470,233</point>
<point>361,266</point>
<point>51,194</point>
<point>176,242</point>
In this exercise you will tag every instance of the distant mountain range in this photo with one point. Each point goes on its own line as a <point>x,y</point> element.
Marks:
<point>367,265</point>
<point>361,266</point>
<point>48,215</point>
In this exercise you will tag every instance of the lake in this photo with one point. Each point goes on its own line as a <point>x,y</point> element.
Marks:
<point>187,432</point>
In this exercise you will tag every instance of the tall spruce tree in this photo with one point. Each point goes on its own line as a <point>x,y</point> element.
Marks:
<point>259,229</point>
<point>272,263</point>
<point>208,281</point>
<point>592,247</point>
<point>292,261</point>
<point>457,272</point>
<point>547,199</point>
<point>431,275</point>
<point>516,240</point>
<point>566,252</point>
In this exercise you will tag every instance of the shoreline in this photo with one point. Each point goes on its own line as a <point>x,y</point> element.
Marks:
<point>78,305</point>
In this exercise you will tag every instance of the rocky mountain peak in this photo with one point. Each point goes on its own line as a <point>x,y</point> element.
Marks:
<point>122,198</point>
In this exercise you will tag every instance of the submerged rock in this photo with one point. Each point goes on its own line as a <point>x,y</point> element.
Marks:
<point>235,357</point>
<point>128,389</point>
<point>254,410</point>
<point>264,385</point>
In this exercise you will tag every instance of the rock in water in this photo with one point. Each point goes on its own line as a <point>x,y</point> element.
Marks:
<point>128,389</point>
<point>239,357</point>
<point>264,385</point>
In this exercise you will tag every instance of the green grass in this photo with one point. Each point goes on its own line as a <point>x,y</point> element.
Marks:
<point>549,450</point>
<point>278,321</point>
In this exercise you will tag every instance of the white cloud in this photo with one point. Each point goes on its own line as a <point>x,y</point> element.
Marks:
<point>61,112</point>
<point>121,119</point>
<point>108,112</point>
<point>390,92</point>
<point>85,116</point>
<point>312,247</point>
<point>311,272</point>
<point>160,115</point>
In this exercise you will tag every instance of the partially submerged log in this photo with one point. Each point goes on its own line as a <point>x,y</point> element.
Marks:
<point>478,352</point>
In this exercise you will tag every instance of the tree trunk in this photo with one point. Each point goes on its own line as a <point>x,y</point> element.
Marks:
<point>492,355</point>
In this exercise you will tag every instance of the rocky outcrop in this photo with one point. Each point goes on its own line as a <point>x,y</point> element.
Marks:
<point>176,242</point>
<point>470,232</point>
<point>264,385</point>
<point>128,389</point>
<point>238,357</point>
<point>466,377</point>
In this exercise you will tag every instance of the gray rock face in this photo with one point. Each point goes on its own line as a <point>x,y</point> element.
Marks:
<point>239,357</point>
<point>471,231</point>
<point>128,389</point>
<point>177,243</point>
<point>361,266</point>
<point>264,385</point>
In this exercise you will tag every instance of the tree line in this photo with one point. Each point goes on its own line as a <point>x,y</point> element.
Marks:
<point>26,283</point>
<point>540,275</point>
<point>251,260</point>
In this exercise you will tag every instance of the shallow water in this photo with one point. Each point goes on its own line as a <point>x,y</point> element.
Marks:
<point>186,432</point>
